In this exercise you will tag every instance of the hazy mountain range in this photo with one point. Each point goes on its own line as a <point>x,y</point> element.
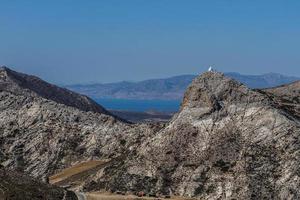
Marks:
<point>169,88</point>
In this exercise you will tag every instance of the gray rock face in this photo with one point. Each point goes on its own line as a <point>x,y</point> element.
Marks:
<point>227,142</point>
<point>18,83</point>
<point>287,97</point>
<point>40,136</point>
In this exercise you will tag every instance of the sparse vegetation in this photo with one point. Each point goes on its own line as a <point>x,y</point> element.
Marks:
<point>227,141</point>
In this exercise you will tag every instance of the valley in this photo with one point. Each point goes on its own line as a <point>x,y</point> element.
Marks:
<point>227,141</point>
<point>149,100</point>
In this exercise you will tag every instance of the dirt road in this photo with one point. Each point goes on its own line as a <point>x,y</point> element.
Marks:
<point>104,196</point>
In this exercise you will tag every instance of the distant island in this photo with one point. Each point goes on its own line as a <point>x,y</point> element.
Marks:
<point>169,88</point>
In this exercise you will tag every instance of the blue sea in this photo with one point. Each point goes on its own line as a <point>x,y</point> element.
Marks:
<point>140,105</point>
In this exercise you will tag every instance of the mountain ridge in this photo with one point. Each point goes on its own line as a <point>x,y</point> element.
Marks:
<point>228,141</point>
<point>169,88</point>
<point>15,82</point>
<point>39,135</point>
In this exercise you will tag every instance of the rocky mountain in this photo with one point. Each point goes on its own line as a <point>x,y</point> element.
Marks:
<point>170,88</point>
<point>289,92</point>
<point>41,135</point>
<point>287,97</point>
<point>18,83</point>
<point>227,142</point>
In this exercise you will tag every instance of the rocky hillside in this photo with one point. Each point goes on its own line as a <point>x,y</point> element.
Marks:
<point>227,142</point>
<point>40,136</point>
<point>16,186</point>
<point>289,92</point>
<point>18,83</point>
<point>287,97</point>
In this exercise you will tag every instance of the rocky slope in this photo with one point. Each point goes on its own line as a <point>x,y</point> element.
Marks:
<point>287,97</point>
<point>289,91</point>
<point>18,83</point>
<point>227,142</point>
<point>41,135</point>
<point>16,186</point>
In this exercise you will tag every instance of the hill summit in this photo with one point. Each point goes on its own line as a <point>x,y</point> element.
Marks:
<point>227,142</point>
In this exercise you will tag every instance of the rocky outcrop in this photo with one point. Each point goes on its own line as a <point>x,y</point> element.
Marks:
<point>291,90</point>
<point>227,142</point>
<point>287,97</point>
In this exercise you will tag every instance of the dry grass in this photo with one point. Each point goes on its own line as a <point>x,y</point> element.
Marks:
<point>76,169</point>
<point>106,196</point>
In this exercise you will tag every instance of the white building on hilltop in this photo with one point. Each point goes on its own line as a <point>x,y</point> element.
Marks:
<point>210,69</point>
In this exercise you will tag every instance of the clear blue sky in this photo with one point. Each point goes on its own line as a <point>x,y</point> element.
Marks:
<point>69,41</point>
